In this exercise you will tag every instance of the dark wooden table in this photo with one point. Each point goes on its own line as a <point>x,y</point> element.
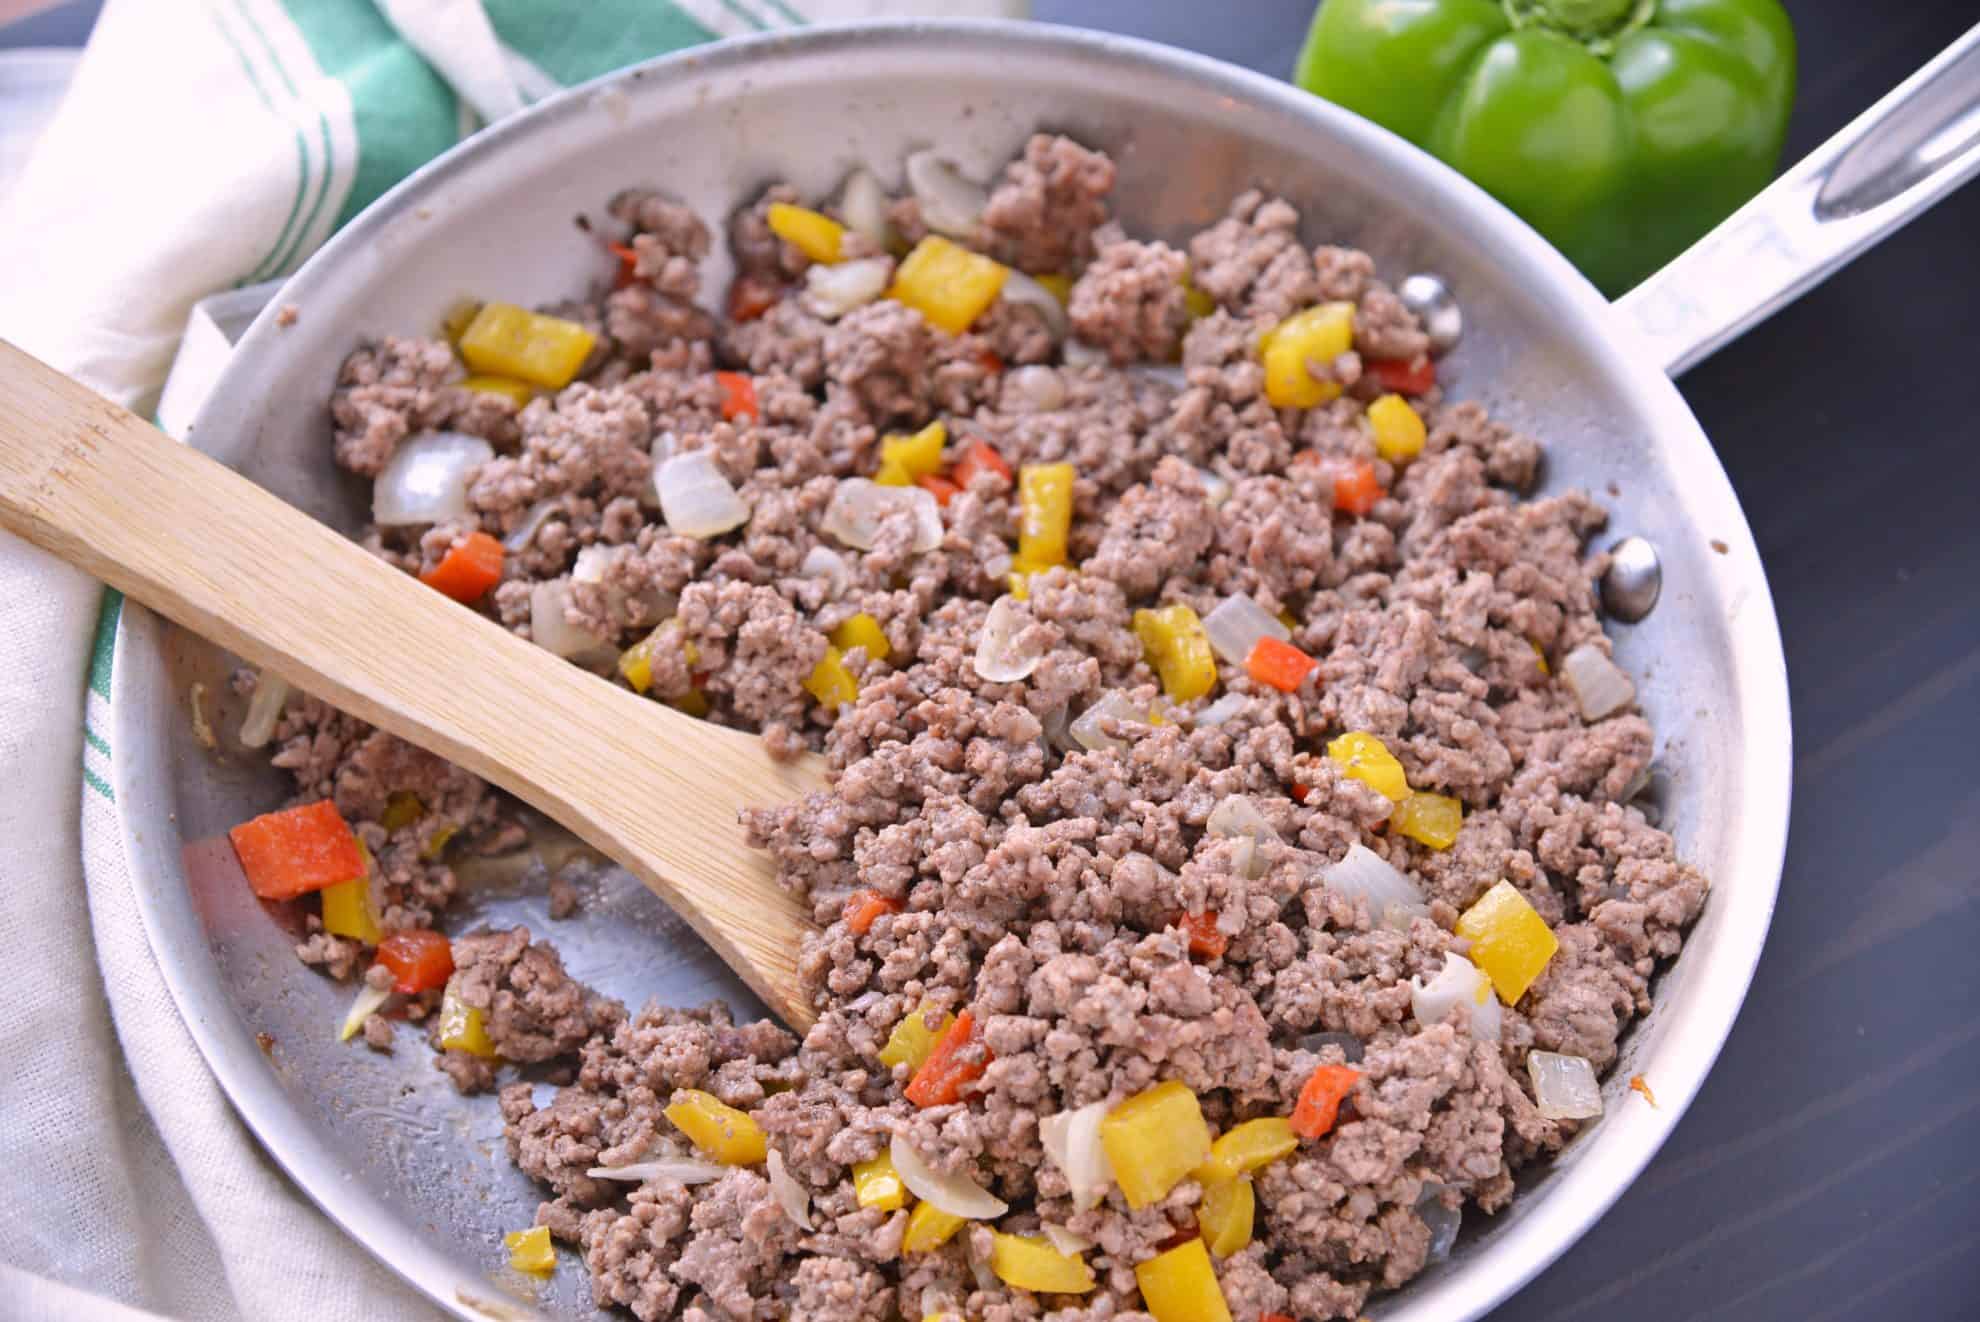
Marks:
<point>1830,1169</point>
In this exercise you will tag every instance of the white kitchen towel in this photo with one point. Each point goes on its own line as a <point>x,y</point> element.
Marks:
<point>204,145</point>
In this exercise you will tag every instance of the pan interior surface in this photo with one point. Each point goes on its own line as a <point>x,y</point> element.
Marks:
<point>420,1176</point>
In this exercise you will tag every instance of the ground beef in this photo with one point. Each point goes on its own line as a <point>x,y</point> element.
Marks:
<point>1042,215</point>
<point>1130,302</point>
<point>1047,866</point>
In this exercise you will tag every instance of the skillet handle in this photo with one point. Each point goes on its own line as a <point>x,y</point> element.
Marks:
<point>1891,163</point>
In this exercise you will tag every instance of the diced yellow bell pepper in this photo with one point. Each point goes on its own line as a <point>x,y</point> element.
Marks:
<point>462,1028</point>
<point>436,844</point>
<point>1173,641</point>
<point>830,682</point>
<point>455,323</point>
<point>694,702</point>
<point>919,455</point>
<point>1181,1285</point>
<point>521,392</point>
<point>1398,428</point>
<point>1243,1148</point>
<point>1058,285</point>
<point>1317,335</point>
<point>505,340</point>
<point>947,283</point>
<point>347,911</point>
<point>1539,657</point>
<point>1020,585</point>
<point>1153,1140</point>
<point>912,1039</point>
<point>1195,301</point>
<point>929,1227</point>
<point>530,1250</point>
<point>402,808</point>
<point>1287,618</point>
<point>861,630</point>
<point>730,1136</point>
<point>877,1184</point>
<point>1433,819</point>
<point>1365,758</point>
<point>1045,503</point>
<point>1509,940</point>
<point>892,473</point>
<point>636,663</point>
<point>1029,1262</point>
<point>812,233</point>
<point>1225,1216</point>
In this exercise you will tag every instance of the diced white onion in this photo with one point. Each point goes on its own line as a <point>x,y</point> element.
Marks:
<point>524,533</point>
<point>950,204</point>
<point>1034,389</point>
<point>1365,875</point>
<point>1236,625</point>
<point>695,498</point>
<point>1598,684</point>
<point>832,291</point>
<point>1072,1141</point>
<point>1223,709</point>
<point>589,567</point>
<point>550,622</point>
<point>1021,289</point>
<point>1113,705</point>
<point>1236,815</point>
<point>1215,488</point>
<point>823,562</point>
<point>1564,1086</point>
<point>1000,656</point>
<point>1458,983</point>
<point>861,505</point>
<point>1442,1221</point>
<point>369,999</point>
<point>1065,1241</point>
<point>956,1194</point>
<point>793,1197</point>
<point>687,1170</point>
<point>264,709</point>
<point>427,479</point>
<point>863,205</point>
<point>1078,353</point>
<point>1167,374</point>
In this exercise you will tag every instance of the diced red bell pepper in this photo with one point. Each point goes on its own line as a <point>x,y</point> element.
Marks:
<point>1281,665</point>
<point>297,850</point>
<point>980,457</point>
<point>1356,489</point>
<point>1204,938</point>
<point>1320,1100</point>
<point>940,487</point>
<point>1277,1317</point>
<point>738,396</point>
<point>863,909</point>
<point>1300,791</point>
<point>1405,376</point>
<point>957,1061</point>
<point>471,567</point>
<point>991,362</point>
<point>628,263</point>
<point>750,296</point>
<point>420,959</point>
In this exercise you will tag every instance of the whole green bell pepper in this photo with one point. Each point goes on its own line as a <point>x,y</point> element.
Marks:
<point>1622,130</point>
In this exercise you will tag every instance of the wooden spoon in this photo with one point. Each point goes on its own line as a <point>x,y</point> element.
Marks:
<point>201,545</point>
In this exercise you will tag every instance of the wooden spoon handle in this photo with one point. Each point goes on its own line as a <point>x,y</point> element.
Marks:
<point>656,790</point>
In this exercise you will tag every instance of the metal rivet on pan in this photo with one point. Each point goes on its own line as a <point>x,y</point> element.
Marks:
<point>1436,307</point>
<point>1634,578</point>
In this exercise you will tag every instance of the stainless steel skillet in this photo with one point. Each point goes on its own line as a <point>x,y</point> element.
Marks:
<point>420,1177</point>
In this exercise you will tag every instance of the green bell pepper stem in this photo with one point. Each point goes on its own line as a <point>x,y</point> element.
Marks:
<point>1622,130</point>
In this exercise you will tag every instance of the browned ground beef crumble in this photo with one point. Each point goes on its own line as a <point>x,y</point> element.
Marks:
<point>1039,880</point>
